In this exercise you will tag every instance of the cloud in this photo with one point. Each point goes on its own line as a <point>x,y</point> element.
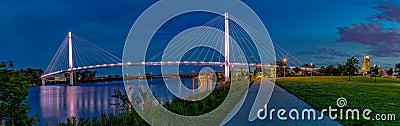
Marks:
<point>326,53</point>
<point>383,40</point>
<point>389,11</point>
<point>322,57</point>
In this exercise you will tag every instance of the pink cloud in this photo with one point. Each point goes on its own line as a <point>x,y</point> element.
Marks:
<point>389,12</point>
<point>384,41</point>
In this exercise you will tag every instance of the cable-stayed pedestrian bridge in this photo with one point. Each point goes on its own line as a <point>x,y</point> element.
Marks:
<point>225,42</point>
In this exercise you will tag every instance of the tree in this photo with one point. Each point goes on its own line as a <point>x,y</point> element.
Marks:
<point>33,74</point>
<point>281,70</point>
<point>13,94</point>
<point>10,63</point>
<point>398,67</point>
<point>322,70</point>
<point>118,76</point>
<point>93,74</point>
<point>330,70</point>
<point>375,72</point>
<point>342,70</point>
<point>390,72</point>
<point>67,75</point>
<point>308,65</point>
<point>350,67</point>
<point>87,76</point>
<point>77,76</point>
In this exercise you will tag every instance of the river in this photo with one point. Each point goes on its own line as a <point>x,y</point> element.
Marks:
<point>55,103</point>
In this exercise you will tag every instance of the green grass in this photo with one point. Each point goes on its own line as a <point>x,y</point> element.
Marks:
<point>382,96</point>
<point>194,108</point>
<point>128,118</point>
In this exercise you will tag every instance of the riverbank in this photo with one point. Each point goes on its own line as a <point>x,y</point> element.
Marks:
<point>127,116</point>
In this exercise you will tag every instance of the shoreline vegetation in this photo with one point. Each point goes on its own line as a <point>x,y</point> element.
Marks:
<point>13,94</point>
<point>128,116</point>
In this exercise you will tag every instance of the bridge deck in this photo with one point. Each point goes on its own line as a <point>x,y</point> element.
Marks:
<point>154,64</point>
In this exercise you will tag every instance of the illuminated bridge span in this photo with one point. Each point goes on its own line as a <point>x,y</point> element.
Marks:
<point>224,33</point>
<point>156,64</point>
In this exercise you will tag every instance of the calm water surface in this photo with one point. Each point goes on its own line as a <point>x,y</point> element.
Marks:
<point>55,103</point>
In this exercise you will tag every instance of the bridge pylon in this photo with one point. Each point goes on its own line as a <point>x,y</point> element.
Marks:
<point>226,43</point>
<point>70,59</point>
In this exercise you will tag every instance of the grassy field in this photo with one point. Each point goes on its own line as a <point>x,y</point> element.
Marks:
<point>382,96</point>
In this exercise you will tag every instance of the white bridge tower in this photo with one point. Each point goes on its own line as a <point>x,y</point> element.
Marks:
<point>70,60</point>
<point>227,66</point>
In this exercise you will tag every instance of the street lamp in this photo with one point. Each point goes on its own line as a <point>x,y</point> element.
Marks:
<point>311,65</point>
<point>284,67</point>
<point>393,70</point>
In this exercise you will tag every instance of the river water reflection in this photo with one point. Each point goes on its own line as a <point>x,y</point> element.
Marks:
<point>55,103</point>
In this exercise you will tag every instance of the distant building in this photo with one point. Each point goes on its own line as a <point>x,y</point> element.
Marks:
<point>366,67</point>
<point>57,78</point>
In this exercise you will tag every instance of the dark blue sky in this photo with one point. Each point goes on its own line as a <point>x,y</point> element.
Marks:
<point>324,32</point>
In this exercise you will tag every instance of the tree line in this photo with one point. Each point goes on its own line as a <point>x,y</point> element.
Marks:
<point>349,68</point>
<point>13,94</point>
